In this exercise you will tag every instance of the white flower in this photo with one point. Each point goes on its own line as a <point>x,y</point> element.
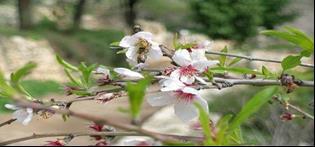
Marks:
<point>191,64</point>
<point>183,98</point>
<point>102,70</point>
<point>128,74</point>
<point>23,115</point>
<point>140,46</point>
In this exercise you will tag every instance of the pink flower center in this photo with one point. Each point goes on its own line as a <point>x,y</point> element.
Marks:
<point>96,127</point>
<point>187,70</point>
<point>181,95</point>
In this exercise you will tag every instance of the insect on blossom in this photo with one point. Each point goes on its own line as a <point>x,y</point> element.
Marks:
<point>140,47</point>
<point>22,115</point>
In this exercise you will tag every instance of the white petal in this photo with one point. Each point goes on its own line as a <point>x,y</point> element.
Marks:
<point>155,52</point>
<point>20,115</point>
<point>187,79</point>
<point>198,55</point>
<point>132,62</point>
<point>172,85</point>
<point>161,99</point>
<point>29,110</point>
<point>175,74</point>
<point>202,81</point>
<point>132,53</point>
<point>201,66</point>
<point>190,90</point>
<point>185,111</point>
<point>128,74</point>
<point>182,57</point>
<point>144,35</point>
<point>127,42</point>
<point>10,106</point>
<point>28,119</point>
<point>102,70</point>
<point>203,103</point>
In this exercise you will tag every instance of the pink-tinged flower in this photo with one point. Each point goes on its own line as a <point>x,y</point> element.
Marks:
<point>182,97</point>
<point>55,143</point>
<point>22,115</point>
<point>140,47</point>
<point>138,142</point>
<point>97,128</point>
<point>191,65</point>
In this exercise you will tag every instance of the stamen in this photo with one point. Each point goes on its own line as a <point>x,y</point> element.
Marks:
<point>187,70</point>
<point>188,97</point>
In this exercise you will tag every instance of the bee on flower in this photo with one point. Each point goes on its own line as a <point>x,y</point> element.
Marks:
<point>140,47</point>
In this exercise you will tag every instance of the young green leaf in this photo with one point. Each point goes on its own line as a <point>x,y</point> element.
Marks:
<point>72,79</point>
<point>234,61</point>
<point>252,106</point>
<point>240,70</point>
<point>205,124</point>
<point>222,126</point>
<point>290,62</point>
<point>136,93</point>
<point>266,72</point>
<point>114,43</point>
<point>66,64</point>
<point>223,57</point>
<point>86,72</point>
<point>22,72</point>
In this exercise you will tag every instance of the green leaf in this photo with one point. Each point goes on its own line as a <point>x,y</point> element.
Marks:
<point>252,106</point>
<point>290,62</point>
<point>266,72</point>
<point>122,51</point>
<point>175,41</point>
<point>22,72</point>
<point>81,92</point>
<point>239,70</point>
<point>115,43</point>
<point>86,72</point>
<point>205,124</point>
<point>136,93</point>
<point>66,64</point>
<point>209,74</point>
<point>5,89</point>
<point>234,61</point>
<point>72,79</point>
<point>294,36</point>
<point>223,57</point>
<point>223,125</point>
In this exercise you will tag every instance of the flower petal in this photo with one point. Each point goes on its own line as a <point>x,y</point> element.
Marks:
<point>198,55</point>
<point>132,53</point>
<point>127,41</point>
<point>28,119</point>
<point>155,52</point>
<point>20,115</point>
<point>187,79</point>
<point>171,85</point>
<point>175,74</point>
<point>10,106</point>
<point>182,57</point>
<point>185,112</point>
<point>161,99</point>
<point>201,66</point>
<point>144,35</point>
<point>190,90</point>
<point>128,74</point>
<point>103,70</point>
<point>203,103</point>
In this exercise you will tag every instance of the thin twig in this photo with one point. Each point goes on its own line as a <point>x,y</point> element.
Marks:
<point>254,58</point>
<point>301,111</point>
<point>76,134</point>
<point>8,122</point>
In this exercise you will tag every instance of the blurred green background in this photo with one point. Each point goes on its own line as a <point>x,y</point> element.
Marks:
<point>81,30</point>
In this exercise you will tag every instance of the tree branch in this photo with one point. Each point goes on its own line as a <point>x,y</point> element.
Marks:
<point>254,58</point>
<point>7,122</point>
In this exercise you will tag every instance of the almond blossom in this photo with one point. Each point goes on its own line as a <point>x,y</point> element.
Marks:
<point>140,46</point>
<point>191,63</point>
<point>22,115</point>
<point>183,97</point>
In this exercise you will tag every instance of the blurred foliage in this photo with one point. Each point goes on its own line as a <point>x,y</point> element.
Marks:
<point>37,89</point>
<point>238,19</point>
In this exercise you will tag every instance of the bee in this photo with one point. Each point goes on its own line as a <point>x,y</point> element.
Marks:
<point>144,47</point>
<point>45,114</point>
